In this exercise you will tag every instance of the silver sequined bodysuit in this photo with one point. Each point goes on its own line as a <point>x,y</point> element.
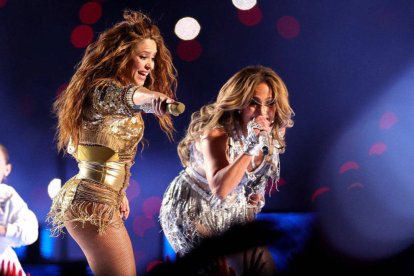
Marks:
<point>190,212</point>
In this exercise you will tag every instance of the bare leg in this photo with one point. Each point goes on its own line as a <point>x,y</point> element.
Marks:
<point>107,254</point>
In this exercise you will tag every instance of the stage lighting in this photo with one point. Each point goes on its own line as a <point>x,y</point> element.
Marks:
<point>187,28</point>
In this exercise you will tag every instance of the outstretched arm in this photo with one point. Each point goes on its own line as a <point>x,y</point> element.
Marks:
<point>114,99</point>
<point>157,100</point>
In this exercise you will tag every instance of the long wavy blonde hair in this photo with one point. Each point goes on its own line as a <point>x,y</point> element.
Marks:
<point>107,59</point>
<point>236,95</point>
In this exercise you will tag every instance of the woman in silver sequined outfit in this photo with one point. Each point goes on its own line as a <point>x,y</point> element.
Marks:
<point>226,169</point>
<point>100,125</point>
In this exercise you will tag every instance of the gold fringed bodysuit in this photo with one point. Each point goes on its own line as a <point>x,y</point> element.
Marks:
<point>109,136</point>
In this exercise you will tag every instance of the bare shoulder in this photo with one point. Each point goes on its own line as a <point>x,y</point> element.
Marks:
<point>215,133</point>
<point>214,140</point>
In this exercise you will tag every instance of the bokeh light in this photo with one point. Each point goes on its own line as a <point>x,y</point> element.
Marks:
<point>250,17</point>
<point>90,12</point>
<point>134,189</point>
<point>372,218</point>
<point>366,181</point>
<point>388,120</point>
<point>189,50</point>
<point>350,165</point>
<point>153,264</point>
<point>355,185</point>
<point>187,28</point>
<point>244,4</point>
<point>320,191</point>
<point>151,206</point>
<point>377,149</point>
<point>81,36</point>
<point>288,27</point>
<point>54,186</point>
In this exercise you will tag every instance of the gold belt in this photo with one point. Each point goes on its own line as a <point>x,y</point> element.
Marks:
<point>100,164</point>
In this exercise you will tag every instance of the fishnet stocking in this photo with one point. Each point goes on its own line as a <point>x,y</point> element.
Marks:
<point>107,254</point>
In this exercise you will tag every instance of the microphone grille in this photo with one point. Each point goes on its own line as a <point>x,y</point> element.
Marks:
<point>176,108</point>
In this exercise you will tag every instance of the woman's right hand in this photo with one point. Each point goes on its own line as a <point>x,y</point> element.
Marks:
<point>159,103</point>
<point>124,207</point>
<point>256,141</point>
<point>154,102</point>
<point>263,124</point>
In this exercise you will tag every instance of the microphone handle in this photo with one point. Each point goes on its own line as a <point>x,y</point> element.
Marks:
<point>175,108</point>
<point>264,141</point>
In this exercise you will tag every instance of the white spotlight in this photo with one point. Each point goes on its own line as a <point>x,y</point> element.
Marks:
<point>187,28</point>
<point>244,4</point>
<point>54,187</point>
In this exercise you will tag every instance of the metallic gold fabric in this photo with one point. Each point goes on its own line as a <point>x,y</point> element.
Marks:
<point>96,154</point>
<point>111,122</point>
<point>111,174</point>
<point>108,141</point>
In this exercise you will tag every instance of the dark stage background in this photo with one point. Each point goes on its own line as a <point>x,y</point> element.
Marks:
<point>349,67</point>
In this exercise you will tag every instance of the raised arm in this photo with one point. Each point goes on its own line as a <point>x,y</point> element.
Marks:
<point>222,176</point>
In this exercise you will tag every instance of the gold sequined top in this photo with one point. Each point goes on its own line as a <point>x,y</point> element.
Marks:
<point>109,136</point>
<point>112,122</point>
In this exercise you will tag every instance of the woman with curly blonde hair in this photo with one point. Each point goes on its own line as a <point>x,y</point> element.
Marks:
<point>100,125</point>
<point>230,153</point>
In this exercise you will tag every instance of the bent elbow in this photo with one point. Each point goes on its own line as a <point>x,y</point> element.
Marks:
<point>220,194</point>
<point>218,187</point>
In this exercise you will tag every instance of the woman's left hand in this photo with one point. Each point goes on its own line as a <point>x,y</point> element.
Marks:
<point>124,208</point>
<point>255,200</point>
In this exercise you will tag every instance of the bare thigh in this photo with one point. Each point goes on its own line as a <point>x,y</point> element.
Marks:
<point>107,254</point>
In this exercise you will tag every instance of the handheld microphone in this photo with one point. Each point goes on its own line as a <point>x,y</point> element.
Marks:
<point>175,108</point>
<point>264,142</point>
